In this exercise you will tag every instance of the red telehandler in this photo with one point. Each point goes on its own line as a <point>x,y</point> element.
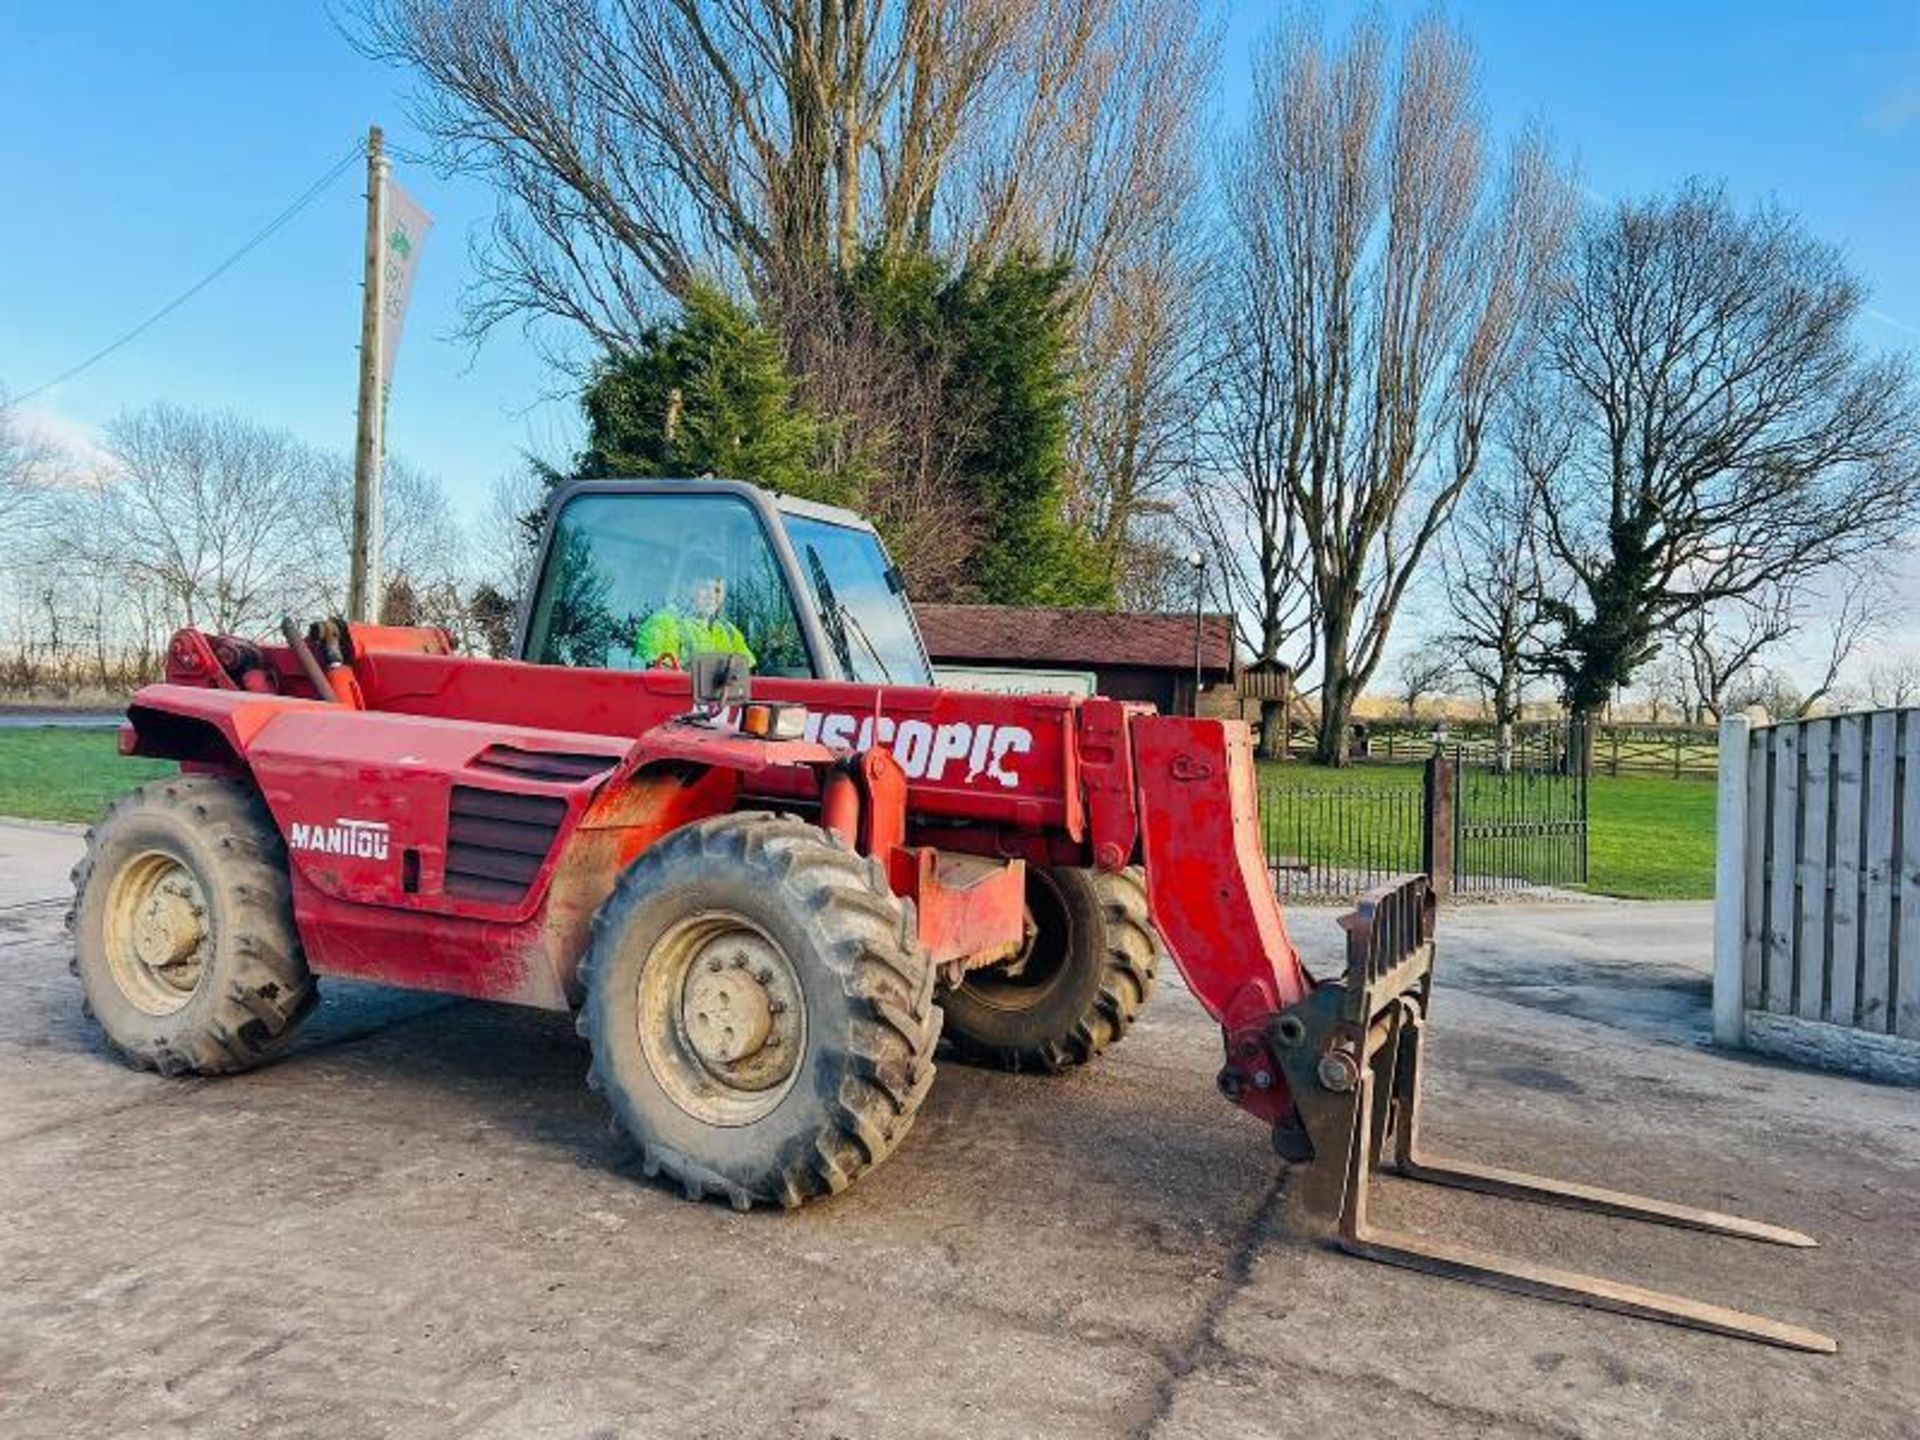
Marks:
<point>762,903</point>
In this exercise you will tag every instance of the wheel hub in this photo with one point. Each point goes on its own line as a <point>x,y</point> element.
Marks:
<point>169,927</point>
<point>723,1018</point>
<point>728,1015</point>
<point>156,932</point>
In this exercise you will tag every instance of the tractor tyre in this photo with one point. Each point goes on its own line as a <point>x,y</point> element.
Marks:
<point>760,1010</point>
<point>183,931</point>
<point>1087,970</point>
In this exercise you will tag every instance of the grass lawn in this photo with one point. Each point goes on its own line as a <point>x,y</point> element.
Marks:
<point>52,773</point>
<point>1649,838</point>
<point>1652,839</point>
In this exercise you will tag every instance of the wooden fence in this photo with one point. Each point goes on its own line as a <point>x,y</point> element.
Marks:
<point>1817,922</point>
<point>1675,752</point>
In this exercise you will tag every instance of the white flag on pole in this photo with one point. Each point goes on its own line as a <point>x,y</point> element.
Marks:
<point>407,227</point>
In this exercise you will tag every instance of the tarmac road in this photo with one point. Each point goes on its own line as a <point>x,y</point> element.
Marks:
<point>27,718</point>
<point>418,1225</point>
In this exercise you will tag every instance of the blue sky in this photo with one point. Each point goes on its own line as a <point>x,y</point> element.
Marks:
<point>146,141</point>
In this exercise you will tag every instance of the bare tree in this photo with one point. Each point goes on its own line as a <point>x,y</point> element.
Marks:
<point>208,513</point>
<point>1670,690</point>
<point>1404,271</point>
<point>895,419</point>
<point>1493,576</point>
<point>1137,431</point>
<point>1425,670</point>
<point>507,535</point>
<point>504,550</point>
<point>1728,437</point>
<point>27,467</point>
<point>1241,503</point>
<point>423,547</point>
<point>1720,649</point>
<point>1727,648</point>
<point>1895,683</point>
<point>1769,689</point>
<point>1245,523</point>
<point>639,144</point>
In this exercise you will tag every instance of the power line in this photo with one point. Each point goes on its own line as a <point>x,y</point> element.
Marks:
<point>305,198</point>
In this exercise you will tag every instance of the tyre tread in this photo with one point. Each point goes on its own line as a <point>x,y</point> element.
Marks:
<point>1129,969</point>
<point>266,986</point>
<point>882,970</point>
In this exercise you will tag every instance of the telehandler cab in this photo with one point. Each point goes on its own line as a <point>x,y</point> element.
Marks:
<point>761,897</point>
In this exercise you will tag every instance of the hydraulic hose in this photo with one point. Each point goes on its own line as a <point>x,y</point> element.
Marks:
<point>303,652</point>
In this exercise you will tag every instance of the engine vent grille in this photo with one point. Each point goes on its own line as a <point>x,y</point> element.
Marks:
<point>565,767</point>
<point>497,842</point>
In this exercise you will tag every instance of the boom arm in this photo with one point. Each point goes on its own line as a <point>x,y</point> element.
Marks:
<point>1211,895</point>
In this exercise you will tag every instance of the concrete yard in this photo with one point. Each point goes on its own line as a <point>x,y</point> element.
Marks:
<point>418,1225</point>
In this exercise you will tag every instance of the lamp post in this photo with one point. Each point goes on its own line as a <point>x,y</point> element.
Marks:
<point>1199,563</point>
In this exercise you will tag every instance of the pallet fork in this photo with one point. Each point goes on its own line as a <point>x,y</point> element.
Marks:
<point>1351,1052</point>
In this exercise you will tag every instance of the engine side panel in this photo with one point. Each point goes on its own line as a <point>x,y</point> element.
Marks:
<point>997,759</point>
<point>460,856</point>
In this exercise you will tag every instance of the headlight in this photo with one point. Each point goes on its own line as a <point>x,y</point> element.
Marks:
<point>774,722</point>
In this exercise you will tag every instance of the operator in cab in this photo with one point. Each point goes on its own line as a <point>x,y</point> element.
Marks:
<point>690,623</point>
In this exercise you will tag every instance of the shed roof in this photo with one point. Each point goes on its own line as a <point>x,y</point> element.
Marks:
<point>1082,639</point>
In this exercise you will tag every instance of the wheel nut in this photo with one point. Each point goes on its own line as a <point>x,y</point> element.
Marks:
<point>1338,1071</point>
<point>714,964</point>
<point>763,975</point>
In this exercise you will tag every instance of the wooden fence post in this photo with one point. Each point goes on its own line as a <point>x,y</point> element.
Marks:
<point>1730,886</point>
<point>1436,846</point>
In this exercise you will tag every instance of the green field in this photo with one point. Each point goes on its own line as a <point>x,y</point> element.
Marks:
<point>1651,839</point>
<point>49,773</point>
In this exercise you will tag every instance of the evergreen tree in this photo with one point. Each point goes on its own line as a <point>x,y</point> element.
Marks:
<point>709,393</point>
<point>998,338</point>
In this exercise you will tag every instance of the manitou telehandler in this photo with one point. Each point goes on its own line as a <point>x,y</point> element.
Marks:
<point>762,898</point>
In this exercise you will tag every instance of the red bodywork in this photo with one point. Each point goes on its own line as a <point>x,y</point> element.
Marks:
<point>459,831</point>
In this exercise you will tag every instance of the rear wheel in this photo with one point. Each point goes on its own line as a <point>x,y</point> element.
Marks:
<point>1078,985</point>
<point>183,929</point>
<point>760,1010</point>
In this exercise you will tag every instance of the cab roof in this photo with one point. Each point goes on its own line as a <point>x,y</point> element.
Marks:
<point>756,495</point>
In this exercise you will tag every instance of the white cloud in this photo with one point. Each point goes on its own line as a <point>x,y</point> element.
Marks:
<point>75,443</point>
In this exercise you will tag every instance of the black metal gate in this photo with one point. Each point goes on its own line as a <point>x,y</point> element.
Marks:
<point>1520,810</point>
<point>1337,840</point>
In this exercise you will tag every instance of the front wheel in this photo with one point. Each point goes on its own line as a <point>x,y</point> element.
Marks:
<point>1087,970</point>
<point>760,1010</point>
<point>182,921</point>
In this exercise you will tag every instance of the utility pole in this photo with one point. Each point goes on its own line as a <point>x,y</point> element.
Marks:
<point>369,446</point>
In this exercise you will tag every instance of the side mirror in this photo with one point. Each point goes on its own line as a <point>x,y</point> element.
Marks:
<point>719,681</point>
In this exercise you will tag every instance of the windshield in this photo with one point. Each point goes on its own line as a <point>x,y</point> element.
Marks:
<point>635,582</point>
<point>862,603</point>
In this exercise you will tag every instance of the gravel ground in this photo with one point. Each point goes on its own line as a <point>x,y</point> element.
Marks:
<point>417,1225</point>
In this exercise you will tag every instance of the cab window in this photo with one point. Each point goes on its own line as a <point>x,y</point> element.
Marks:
<point>637,581</point>
<point>861,600</point>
